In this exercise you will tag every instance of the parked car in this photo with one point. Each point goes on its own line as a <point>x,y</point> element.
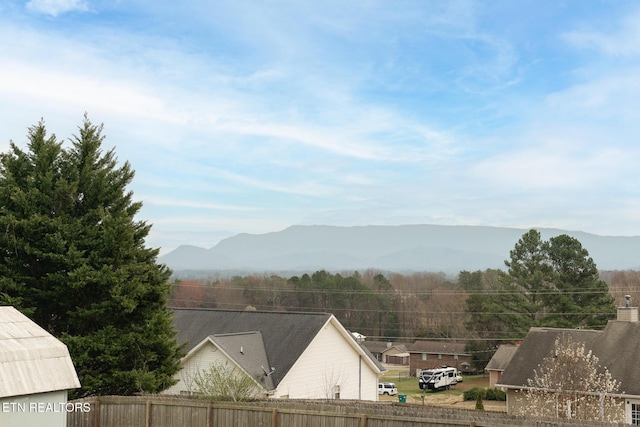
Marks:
<point>388,389</point>
<point>459,377</point>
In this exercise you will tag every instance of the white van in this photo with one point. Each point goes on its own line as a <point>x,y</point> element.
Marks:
<point>388,389</point>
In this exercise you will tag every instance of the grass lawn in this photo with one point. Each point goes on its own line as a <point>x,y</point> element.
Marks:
<point>409,386</point>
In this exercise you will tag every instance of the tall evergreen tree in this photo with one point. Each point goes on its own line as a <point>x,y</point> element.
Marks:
<point>582,298</point>
<point>73,257</point>
<point>548,283</point>
<point>528,275</point>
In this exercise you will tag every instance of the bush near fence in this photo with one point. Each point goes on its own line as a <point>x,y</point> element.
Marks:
<point>160,411</point>
<point>487,394</point>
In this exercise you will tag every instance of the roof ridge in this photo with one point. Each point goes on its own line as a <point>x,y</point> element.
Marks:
<point>306,313</point>
<point>236,334</point>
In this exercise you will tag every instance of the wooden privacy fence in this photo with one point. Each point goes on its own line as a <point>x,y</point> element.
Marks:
<point>159,411</point>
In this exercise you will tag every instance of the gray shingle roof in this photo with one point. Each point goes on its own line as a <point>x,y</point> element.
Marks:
<point>501,358</point>
<point>286,335</point>
<point>437,347</point>
<point>617,348</point>
<point>382,346</point>
<point>31,359</point>
<point>247,350</point>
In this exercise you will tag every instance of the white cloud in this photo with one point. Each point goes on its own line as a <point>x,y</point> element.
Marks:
<point>78,91</point>
<point>175,202</point>
<point>57,7</point>
<point>624,42</point>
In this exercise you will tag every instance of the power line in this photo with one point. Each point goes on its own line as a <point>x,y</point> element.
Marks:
<point>436,292</point>
<point>355,309</point>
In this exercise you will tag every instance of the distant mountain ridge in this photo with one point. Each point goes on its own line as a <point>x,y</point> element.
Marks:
<point>400,248</point>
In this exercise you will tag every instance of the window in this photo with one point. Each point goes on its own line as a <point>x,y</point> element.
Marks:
<point>336,391</point>
<point>635,414</point>
<point>439,356</point>
<point>455,357</point>
<point>424,356</point>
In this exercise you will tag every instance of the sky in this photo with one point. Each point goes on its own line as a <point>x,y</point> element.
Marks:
<point>249,117</point>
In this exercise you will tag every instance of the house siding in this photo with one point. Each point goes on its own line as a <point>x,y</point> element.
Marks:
<point>315,374</point>
<point>494,378</point>
<point>201,360</point>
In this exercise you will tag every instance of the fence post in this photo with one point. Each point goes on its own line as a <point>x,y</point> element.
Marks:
<point>363,420</point>
<point>210,415</point>
<point>274,418</point>
<point>148,415</point>
<point>96,412</point>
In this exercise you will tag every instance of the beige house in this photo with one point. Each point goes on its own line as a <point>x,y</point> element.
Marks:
<point>617,348</point>
<point>499,362</point>
<point>288,355</point>
<point>36,373</point>
<point>388,352</point>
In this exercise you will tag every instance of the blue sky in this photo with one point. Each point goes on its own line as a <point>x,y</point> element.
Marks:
<point>242,116</point>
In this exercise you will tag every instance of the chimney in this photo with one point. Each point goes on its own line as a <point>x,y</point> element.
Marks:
<point>627,313</point>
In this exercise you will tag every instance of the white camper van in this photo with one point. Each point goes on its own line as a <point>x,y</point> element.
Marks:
<point>437,379</point>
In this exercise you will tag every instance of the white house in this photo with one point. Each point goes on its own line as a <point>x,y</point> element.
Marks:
<point>35,374</point>
<point>289,355</point>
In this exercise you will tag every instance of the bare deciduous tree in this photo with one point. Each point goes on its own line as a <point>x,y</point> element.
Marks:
<point>223,382</point>
<point>331,382</point>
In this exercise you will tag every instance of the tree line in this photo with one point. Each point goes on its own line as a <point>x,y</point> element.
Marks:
<point>380,306</point>
<point>551,283</point>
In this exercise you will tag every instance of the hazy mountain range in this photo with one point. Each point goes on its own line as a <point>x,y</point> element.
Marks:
<point>402,248</point>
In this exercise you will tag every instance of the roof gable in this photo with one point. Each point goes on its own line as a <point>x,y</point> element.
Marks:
<point>247,351</point>
<point>31,359</point>
<point>285,334</point>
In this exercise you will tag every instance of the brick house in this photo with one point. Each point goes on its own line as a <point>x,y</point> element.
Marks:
<point>499,362</point>
<point>435,354</point>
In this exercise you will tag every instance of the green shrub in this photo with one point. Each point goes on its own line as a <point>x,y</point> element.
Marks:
<point>494,394</point>
<point>471,394</point>
<point>487,394</point>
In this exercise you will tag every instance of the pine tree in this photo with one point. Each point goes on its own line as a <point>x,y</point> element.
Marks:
<point>582,299</point>
<point>74,259</point>
<point>528,276</point>
<point>548,283</point>
<point>479,403</point>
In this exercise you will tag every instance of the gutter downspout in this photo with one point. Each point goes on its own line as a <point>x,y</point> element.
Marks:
<point>360,377</point>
